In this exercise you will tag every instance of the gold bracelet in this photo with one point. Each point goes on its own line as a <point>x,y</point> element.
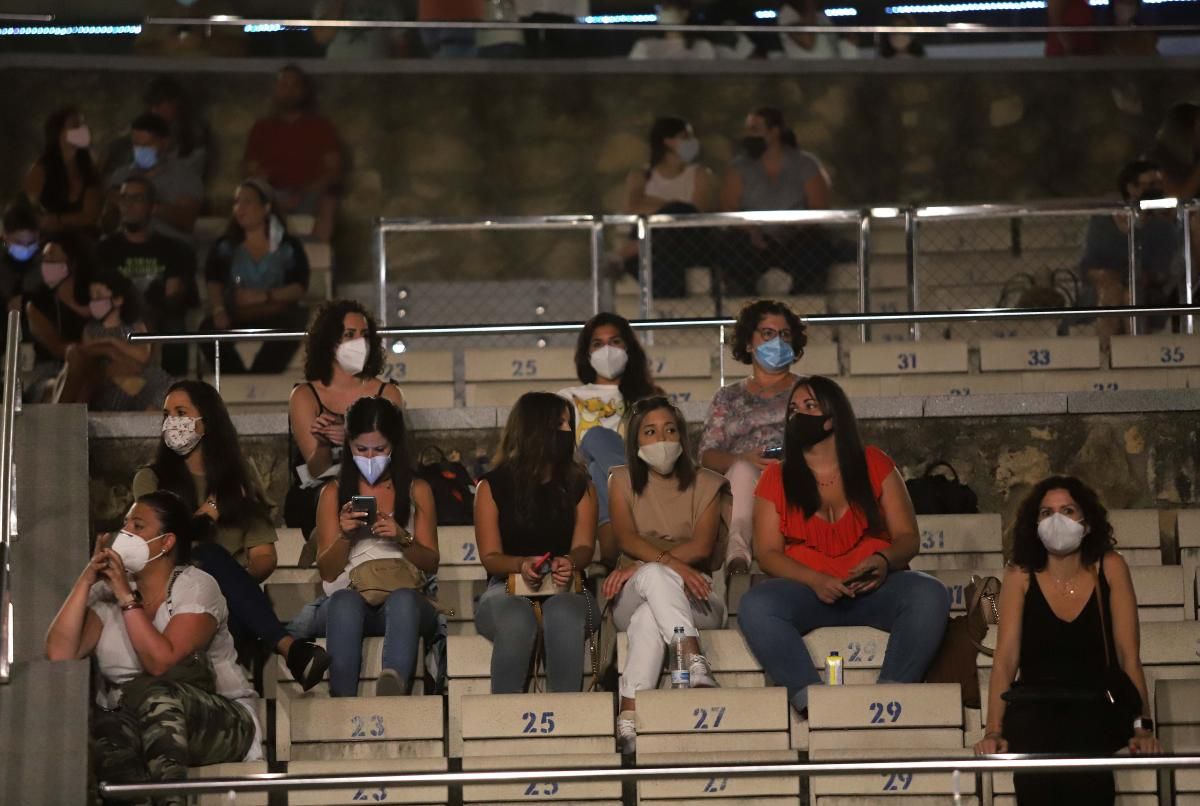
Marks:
<point>661,554</point>
<point>134,605</point>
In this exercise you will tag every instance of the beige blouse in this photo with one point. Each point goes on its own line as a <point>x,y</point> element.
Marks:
<point>666,516</point>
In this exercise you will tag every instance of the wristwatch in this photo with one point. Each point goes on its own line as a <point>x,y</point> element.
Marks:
<point>1143,723</point>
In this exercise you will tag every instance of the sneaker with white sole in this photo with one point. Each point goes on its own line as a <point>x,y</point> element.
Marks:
<point>700,673</point>
<point>626,732</point>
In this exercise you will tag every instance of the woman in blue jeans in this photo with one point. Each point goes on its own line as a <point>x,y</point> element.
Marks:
<point>834,527</point>
<point>403,534</point>
<point>614,373</point>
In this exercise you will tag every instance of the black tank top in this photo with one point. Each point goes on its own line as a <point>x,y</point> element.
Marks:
<point>1064,653</point>
<point>553,524</point>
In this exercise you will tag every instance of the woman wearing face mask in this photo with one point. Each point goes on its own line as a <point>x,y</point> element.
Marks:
<point>257,276</point>
<point>670,519</point>
<point>343,359</point>
<point>614,372</point>
<point>834,526</point>
<point>535,515</point>
<point>201,461</point>
<point>63,181</point>
<point>20,261</point>
<point>773,173</point>
<point>1068,613</point>
<point>404,531</point>
<point>57,311</point>
<point>743,433</point>
<point>153,623</point>
<point>672,183</point>
<point>104,370</point>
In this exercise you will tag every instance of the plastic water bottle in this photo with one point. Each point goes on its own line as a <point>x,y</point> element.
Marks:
<point>680,676</point>
<point>833,670</point>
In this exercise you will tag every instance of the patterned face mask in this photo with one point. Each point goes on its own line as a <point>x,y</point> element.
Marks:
<point>179,434</point>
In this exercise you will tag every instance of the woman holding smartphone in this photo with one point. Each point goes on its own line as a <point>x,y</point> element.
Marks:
<point>399,536</point>
<point>834,526</point>
<point>743,434</point>
<point>535,515</point>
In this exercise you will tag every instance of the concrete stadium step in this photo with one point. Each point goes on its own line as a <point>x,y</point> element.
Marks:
<point>280,683</point>
<point>335,728</point>
<point>274,390</point>
<point>1129,782</point>
<point>549,790</point>
<point>888,785</point>
<point>1159,591</point>
<point>715,710</point>
<point>523,724</point>
<point>415,365</point>
<point>1138,533</point>
<point>1177,702</point>
<point>235,769</point>
<point>680,362</point>
<point>524,364</point>
<point>802,305</point>
<point>288,546</point>
<point>1039,355</point>
<point>724,790</point>
<point>1102,381</point>
<point>289,598</point>
<point>459,556</point>
<point>909,357</point>
<point>867,739</point>
<point>502,395</point>
<point>692,389</point>
<point>1155,350</point>
<point>959,541</point>
<point>885,707</point>
<point>819,359</point>
<point>952,385</point>
<point>902,800</point>
<point>372,794</point>
<point>1187,533</point>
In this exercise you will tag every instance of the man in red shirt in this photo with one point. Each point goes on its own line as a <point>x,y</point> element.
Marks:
<point>297,151</point>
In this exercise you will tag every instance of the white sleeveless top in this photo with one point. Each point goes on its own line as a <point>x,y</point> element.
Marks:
<point>365,549</point>
<point>679,189</point>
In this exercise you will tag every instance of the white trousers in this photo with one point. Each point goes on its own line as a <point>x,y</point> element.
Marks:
<point>743,478</point>
<point>648,609</point>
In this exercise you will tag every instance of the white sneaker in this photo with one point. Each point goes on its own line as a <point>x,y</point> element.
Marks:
<point>700,673</point>
<point>626,732</point>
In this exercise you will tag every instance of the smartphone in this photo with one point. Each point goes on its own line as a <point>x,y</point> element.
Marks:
<point>773,453</point>
<point>541,566</point>
<point>865,576</point>
<point>364,503</point>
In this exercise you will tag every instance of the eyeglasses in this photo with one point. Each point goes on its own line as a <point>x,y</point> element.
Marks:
<point>769,333</point>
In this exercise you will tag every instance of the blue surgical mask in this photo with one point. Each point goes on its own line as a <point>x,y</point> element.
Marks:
<point>22,252</point>
<point>372,467</point>
<point>145,157</point>
<point>775,354</point>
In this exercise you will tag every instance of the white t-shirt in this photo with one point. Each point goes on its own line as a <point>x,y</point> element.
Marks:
<point>365,549</point>
<point>653,48</point>
<point>596,406</point>
<point>193,592</point>
<point>681,188</point>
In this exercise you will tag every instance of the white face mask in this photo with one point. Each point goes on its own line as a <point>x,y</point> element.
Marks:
<point>661,456</point>
<point>80,136</point>
<point>372,467</point>
<point>134,551</point>
<point>179,434</point>
<point>352,355</point>
<point>609,361</point>
<point>1061,535</point>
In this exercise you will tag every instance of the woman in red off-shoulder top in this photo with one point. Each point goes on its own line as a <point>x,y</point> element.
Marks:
<point>834,527</point>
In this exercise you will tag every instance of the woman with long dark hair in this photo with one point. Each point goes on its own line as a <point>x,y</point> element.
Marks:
<point>670,518</point>
<point>63,181</point>
<point>834,527</point>
<point>342,363</point>
<point>170,693</point>
<point>57,310</point>
<point>535,517</point>
<point>1068,639</point>
<point>400,536</point>
<point>614,372</point>
<point>257,277</point>
<point>200,460</point>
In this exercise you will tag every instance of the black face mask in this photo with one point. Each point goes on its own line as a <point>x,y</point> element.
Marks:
<point>562,446</point>
<point>754,147</point>
<point>805,430</point>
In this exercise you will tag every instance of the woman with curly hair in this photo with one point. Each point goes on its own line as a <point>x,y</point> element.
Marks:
<point>743,434</point>
<point>342,363</point>
<point>1068,641</point>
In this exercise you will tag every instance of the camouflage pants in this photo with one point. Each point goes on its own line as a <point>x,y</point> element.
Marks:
<point>176,725</point>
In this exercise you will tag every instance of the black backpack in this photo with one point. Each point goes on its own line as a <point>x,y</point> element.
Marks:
<point>453,490</point>
<point>935,494</point>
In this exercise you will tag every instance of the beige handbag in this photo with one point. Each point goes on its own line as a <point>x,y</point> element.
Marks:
<point>375,579</point>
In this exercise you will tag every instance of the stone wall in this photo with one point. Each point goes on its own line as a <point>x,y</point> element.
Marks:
<point>1135,460</point>
<point>513,140</point>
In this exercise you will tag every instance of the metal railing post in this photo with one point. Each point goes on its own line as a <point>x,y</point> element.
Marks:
<point>1185,222</point>
<point>864,273</point>
<point>721,354</point>
<point>12,349</point>
<point>645,270</point>
<point>1133,272</point>
<point>381,266</point>
<point>910,267</point>
<point>597,262</point>
<point>217,364</point>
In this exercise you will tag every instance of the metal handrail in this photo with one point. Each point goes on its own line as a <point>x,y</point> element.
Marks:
<point>8,415</point>
<point>273,782</point>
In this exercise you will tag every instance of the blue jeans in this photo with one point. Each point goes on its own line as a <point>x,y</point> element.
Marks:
<point>509,623</point>
<point>403,619</point>
<point>602,450</point>
<point>250,611</point>
<point>775,615</point>
<point>309,623</point>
